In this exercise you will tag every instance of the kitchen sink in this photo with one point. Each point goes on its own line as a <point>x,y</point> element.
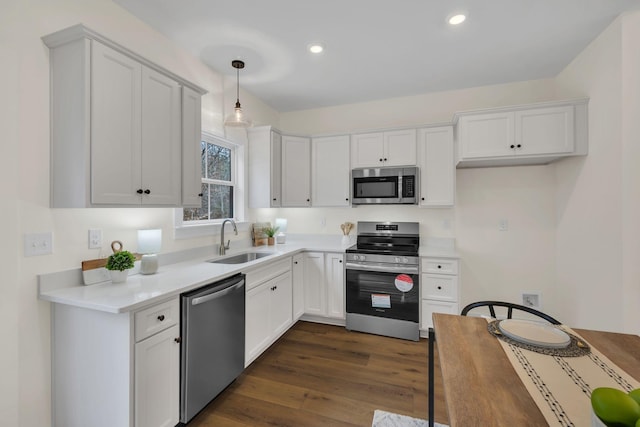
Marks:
<point>240,258</point>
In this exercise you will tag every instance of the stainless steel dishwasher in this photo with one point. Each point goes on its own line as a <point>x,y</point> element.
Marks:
<point>212,352</point>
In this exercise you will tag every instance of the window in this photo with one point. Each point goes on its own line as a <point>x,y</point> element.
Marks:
<point>218,182</point>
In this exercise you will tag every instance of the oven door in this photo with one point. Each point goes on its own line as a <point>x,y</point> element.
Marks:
<point>393,295</point>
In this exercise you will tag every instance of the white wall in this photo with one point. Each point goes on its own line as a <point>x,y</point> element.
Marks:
<point>598,197</point>
<point>495,264</point>
<point>24,184</point>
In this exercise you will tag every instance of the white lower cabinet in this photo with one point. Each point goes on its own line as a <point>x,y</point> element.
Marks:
<point>324,285</point>
<point>116,369</point>
<point>268,307</point>
<point>297,275</point>
<point>157,382</point>
<point>439,289</point>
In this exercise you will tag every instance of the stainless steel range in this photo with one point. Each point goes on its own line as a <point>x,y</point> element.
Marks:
<point>382,280</point>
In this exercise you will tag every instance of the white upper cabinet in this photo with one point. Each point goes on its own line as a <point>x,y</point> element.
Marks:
<point>393,148</point>
<point>437,166</point>
<point>191,148</point>
<point>534,134</point>
<point>296,173</point>
<point>118,128</point>
<point>330,171</point>
<point>265,159</point>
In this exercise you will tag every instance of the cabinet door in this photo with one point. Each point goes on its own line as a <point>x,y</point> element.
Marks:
<point>314,288</point>
<point>264,168</point>
<point>191,148</point>
<point>545,130</point>
<point>367,150</point>
<point>334,278</point>
<point>257,328</point>
<point>431,306</point>
<point>486,135</point>
<point>281,304</point>
<point>157,380</point>
<point>437,166</point>
<point>330,171</point>
<point>276,170</point>
<point>296,174</point>
<point>298,286</point>
<point>115,127</point>
<point>400,148</point>
<point>161,139</point>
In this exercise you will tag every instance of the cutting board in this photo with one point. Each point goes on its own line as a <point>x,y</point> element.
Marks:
<point>94,271</point>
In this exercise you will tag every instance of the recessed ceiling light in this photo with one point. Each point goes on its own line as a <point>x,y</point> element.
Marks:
<point>316,48</point>
<point>457,19</point>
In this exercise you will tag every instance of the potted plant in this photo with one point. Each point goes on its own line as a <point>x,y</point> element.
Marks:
<point>271,232</point>
<point>118,263</point>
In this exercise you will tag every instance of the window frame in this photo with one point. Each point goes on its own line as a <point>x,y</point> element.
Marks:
<point>198,228</point>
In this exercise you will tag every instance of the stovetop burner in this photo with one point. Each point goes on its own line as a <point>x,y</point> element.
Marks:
<point>387,238</point>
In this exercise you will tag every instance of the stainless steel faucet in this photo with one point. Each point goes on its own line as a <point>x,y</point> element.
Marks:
<point>223,248</point>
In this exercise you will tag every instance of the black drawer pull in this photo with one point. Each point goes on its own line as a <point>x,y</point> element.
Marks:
<point>161,317</point>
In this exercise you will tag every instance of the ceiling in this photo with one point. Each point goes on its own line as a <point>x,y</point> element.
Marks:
<point>377,49</point>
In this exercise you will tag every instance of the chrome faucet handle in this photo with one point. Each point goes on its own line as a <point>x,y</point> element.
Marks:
<point>228,243</point>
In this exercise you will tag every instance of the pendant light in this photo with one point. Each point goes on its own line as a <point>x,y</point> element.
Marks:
<point>237,118</point>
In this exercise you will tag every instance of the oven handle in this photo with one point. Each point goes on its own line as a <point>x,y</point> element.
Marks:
<point>384,268</point>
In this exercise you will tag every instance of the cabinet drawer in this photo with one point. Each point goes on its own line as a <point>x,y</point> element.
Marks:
<point>261,274</point>
<point>444,288</point>
<point>429,307</point>
<point>440,265</point>
<point>157,318</point>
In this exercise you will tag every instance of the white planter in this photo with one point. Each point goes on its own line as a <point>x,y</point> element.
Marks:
<point>118,276</point>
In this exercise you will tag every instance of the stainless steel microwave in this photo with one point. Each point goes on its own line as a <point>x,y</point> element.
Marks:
<point>385,186</point>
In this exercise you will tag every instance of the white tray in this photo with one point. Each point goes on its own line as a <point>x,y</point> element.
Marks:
<point>534,333</point>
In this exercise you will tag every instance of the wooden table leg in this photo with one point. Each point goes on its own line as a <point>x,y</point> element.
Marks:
<point>432,338</point>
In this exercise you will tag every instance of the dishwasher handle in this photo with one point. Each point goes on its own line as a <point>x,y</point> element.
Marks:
<point>217,294</point>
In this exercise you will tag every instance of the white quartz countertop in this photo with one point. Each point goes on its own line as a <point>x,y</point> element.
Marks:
<point>174,278</point>
<point>171,280</point>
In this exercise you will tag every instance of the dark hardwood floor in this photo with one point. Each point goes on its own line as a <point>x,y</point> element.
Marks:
<point>322,375</point>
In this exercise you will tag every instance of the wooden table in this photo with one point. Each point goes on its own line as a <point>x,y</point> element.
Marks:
<point>481,387</point>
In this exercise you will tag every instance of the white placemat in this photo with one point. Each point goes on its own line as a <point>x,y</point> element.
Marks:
<point>561,386</point>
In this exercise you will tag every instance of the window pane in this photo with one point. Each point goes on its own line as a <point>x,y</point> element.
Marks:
<point>218,162</point>
<point>221,197</point>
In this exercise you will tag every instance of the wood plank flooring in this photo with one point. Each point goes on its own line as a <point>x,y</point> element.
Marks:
<point>322,375</point>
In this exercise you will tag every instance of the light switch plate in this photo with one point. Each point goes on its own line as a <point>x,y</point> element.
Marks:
<point>38,244</point>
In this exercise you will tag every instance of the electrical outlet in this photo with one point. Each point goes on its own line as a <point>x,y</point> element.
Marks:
<point>503,225</point>
<point>95,238</point>
<point>38,244</point>
<point>531,299</point>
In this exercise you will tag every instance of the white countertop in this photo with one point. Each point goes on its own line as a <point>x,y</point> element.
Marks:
<point>170,280</point>
<point>175,278</point>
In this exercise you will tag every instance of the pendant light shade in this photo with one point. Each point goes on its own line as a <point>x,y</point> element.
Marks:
<point>237,118</point>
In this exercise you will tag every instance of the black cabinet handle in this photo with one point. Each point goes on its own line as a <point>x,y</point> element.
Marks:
<point>199,194</point>
<point>161,317</point>
<point>295,262</point>
<point>519,145</point>
<point>385,159</point>
<point>423,198</point>
<point>139,191</point>
<point>380,159</point>
<point>512,146</point>
<point>147,191</point>
<point>308,200</point>
<point>347,199</point>
<point>439,266</point>
<point>439,287</point>
<point>274,199</point>
<point>178,340</point>
<point>340,261</point>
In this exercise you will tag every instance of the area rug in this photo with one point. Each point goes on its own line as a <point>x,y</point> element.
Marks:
<point>388,419</point>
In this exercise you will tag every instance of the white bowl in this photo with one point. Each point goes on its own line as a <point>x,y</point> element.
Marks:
<point>595,421</point>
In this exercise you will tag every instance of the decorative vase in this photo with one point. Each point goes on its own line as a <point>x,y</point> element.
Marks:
<point>270,241</point>
<point>118,276</point>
